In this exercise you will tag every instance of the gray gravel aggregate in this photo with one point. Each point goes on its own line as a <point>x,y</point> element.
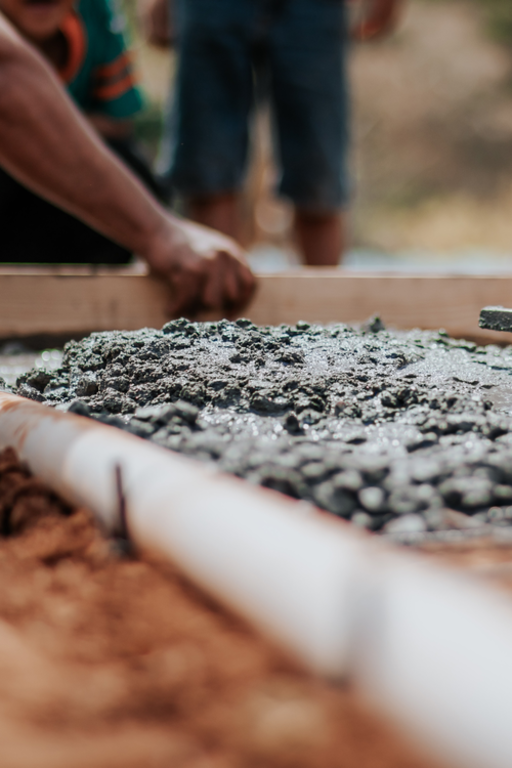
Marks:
<point>407,433</point>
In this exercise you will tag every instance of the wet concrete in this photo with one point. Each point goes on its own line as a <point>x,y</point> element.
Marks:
<point>401,432</point>
<point>16,359</point>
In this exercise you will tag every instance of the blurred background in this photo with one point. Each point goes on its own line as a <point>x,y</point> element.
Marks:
<point>432,144</point>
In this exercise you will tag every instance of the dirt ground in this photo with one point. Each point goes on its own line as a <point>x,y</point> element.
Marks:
<point>486,558</point>
<point>110,662</point>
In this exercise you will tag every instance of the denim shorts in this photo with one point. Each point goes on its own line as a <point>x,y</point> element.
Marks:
<point>230,52</point>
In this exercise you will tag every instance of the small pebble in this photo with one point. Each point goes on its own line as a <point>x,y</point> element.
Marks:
<point>406,524</point>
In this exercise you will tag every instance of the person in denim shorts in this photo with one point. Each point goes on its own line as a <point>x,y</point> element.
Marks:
<point>228,50</point>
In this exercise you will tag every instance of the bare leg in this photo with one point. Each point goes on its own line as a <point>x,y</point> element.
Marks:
<point>321,237</point>
<point>219,212</point>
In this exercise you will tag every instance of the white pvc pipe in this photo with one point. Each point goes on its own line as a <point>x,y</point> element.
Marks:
<point>292,575</point>
<point>436,654</point>
<point>429,645</point>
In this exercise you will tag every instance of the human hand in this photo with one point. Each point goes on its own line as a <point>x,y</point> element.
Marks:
<point>204,269</point>
<point>377,19</point>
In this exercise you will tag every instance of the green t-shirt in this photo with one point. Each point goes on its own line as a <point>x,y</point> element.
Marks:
<point>99,74</point>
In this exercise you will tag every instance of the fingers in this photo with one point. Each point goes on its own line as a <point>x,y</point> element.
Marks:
<point>213,295</point>
<point>232,287</point>
<point>248,285</point>
<point>230,284</point>
<point>186,287</point>
<point>204,270</point>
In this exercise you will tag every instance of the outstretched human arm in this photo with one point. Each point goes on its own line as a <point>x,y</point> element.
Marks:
<point>49,146</point>
<point>379,17</point>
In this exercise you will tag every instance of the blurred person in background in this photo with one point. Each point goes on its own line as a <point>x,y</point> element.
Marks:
<point>54,153</point>
<point>291,52</point>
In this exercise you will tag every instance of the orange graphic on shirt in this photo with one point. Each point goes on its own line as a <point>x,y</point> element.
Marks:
<point>74,32</point>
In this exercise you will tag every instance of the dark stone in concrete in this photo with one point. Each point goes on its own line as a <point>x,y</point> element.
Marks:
<point>496,319</point>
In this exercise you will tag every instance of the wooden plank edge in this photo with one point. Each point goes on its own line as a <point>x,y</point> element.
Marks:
<point>74,301</point>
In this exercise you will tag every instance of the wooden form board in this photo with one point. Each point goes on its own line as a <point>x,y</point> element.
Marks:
<point>74,300</point>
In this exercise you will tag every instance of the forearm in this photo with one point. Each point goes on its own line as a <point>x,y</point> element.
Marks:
<point>47,145</point>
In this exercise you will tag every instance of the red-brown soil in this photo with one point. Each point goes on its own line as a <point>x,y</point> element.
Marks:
<point>111,662</point>
<point>485,558</point>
